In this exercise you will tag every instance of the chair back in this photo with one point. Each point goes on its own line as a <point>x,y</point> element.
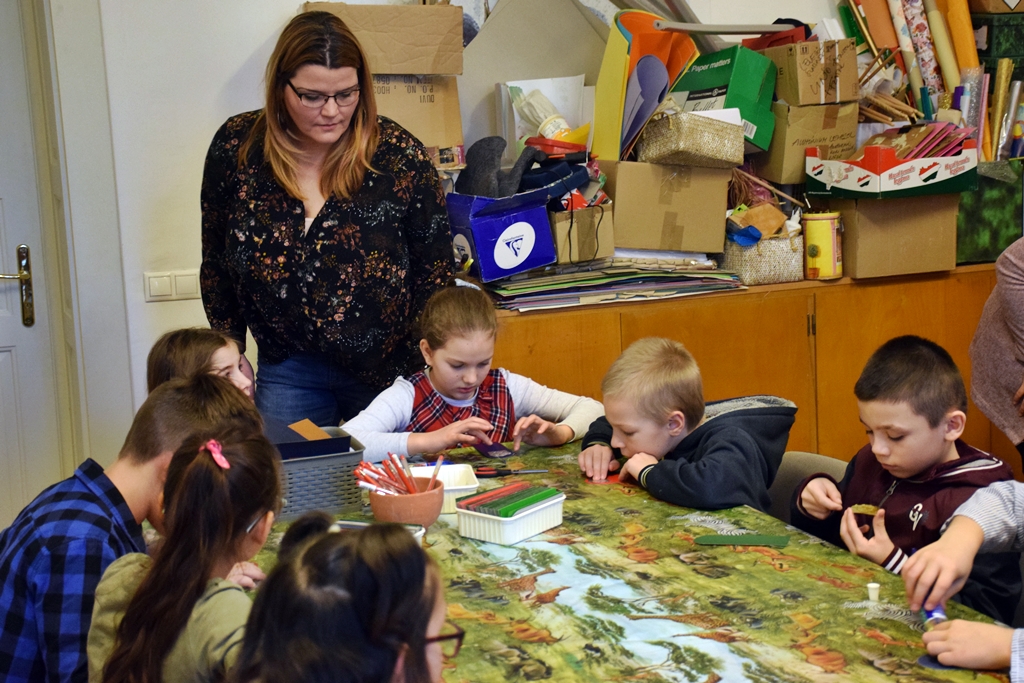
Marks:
<point>797,466</point>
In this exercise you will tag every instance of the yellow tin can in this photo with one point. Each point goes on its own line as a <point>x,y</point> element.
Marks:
<point>823,246</point>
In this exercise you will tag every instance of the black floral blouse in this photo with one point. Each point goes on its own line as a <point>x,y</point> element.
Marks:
<point>349,289</point>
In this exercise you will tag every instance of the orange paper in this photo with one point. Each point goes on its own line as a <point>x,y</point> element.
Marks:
<point>675,50</point>
<point>308,430</point>
<point>960,30</point>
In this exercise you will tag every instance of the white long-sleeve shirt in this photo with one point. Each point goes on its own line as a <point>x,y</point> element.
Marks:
<point>999,511</point>
<point>381,426</point>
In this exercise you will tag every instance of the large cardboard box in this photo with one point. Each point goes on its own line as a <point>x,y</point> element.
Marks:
<point>503,236</point>
<point>736,77</point>
<point>584,234</point>
<point>428,107</point>
<point>996,6</point>
<point>815,72</point>
<point>404,39</point>
<point>673,208</point>
<point>883,237</point>
<point>832,128</point>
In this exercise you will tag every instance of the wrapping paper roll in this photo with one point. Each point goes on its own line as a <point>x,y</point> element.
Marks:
<point>1009,116</point>
<point>959,18</point>
<point>1000,94</point>
<point>899,23</point>
<point>943,46</point>
<point>917,22</point>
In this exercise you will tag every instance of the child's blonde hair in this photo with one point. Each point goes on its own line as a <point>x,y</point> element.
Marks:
<point>658,376</point>
<point>456,311</point>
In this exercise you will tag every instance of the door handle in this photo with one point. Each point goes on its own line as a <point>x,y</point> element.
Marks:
<point>24,277</point>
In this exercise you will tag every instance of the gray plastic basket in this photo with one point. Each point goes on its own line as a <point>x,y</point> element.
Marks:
<point>323,482</point>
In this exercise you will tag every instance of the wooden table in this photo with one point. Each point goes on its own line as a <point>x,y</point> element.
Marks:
<point>621,592</point>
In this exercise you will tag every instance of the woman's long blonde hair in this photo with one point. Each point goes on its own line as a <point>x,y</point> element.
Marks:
<point>323,39</point>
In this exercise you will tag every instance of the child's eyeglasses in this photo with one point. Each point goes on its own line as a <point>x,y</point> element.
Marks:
<point>316,100</point>
<point>450,639</point>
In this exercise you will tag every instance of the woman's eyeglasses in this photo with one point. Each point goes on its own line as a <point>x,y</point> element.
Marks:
<point>450,639</point>
<point>316,100</point>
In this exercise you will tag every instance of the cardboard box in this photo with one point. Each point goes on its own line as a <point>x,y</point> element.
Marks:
<point>404,39</point>
<point>815,72</point>
<point>996,6</point>
<point>832,128</point>
<point>883,237</point>
<point>671,208</point>
<point>880,174</point>
<point>526,39</point>
<point>503,236</point>
<point>428,107</point>
<point>583,235</point>
<point>736,77</point>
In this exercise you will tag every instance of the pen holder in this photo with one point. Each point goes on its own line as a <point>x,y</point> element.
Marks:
<point>421,508</point>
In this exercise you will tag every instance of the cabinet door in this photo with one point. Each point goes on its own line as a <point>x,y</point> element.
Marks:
<point>854,320</point>
<point>745,344</point>
<point>565,350</point>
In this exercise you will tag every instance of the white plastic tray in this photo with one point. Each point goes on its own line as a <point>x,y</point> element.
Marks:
<point>458,480</point>
<point>511,530</point>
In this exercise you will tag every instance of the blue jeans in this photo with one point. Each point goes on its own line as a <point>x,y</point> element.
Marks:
<point>309,386</point>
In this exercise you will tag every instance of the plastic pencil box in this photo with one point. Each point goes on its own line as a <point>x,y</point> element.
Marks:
<point>317,475</point>
<point>511,530</point>
<point>458,480</point>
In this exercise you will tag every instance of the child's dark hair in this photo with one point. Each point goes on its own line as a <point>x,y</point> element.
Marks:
<point>304,529</point>
<point>181,354</point>
<point>915,371</point>
<point>456,311</point>
<point>209,510</point>
<point>342,609</point>
<point>179,408</point>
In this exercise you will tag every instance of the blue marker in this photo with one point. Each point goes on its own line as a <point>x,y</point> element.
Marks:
<point>933,617</point>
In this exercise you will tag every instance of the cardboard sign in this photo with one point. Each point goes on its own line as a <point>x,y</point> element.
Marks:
<point>815,72</point>
<point>831,127</point>
<point>428,107</point>
<point>673,208</point>
<point>403,39</point>
<point>736,77</point>
<point>503,236</point>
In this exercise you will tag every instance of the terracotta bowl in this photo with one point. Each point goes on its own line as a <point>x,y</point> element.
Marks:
<point>414,508</point>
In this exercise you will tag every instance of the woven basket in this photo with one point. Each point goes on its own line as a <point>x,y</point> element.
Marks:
<point>690,140</point>
<point>768,262</point>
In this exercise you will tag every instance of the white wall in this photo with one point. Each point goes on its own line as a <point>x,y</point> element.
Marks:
<point>175,71</point>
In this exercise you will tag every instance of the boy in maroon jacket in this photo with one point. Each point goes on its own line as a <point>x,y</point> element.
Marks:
<point>916,472</point>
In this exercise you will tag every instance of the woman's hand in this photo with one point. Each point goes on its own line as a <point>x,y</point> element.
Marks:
<point>537,431</point>
<point>876,548</point>
<point>469,431</point>
<point>970,645</point>
<point>597,461</point>
<point>938,571</point>
<point>820,498</point>
<point>246,575</point>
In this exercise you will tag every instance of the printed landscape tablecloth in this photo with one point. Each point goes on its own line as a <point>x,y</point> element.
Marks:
<point>620,592</point>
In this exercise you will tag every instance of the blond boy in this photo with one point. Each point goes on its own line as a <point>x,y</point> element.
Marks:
<point>709,457</point>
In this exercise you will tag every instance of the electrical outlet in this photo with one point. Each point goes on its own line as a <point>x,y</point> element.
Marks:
<point>172,285</point>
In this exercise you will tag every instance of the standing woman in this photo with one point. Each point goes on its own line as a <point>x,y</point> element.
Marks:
<point>997,350</point>
<point>324,230</point>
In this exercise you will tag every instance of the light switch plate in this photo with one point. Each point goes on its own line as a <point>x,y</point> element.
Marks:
<point>172,285</point>
<point>158,287</point>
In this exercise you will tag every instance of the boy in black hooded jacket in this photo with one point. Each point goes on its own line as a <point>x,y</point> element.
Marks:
<point>655,417</point>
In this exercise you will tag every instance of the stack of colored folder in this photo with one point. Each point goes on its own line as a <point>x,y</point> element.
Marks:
<point>507,501</point>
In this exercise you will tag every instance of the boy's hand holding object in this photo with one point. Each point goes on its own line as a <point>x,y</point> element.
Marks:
<point>246,575</point>
<point>970,644</point>
<point>938,571</point>
<point>876,548</point>
<point>820,498</point>
<point>597,461</point>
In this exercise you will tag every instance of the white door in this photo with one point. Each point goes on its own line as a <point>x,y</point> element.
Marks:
<point>29,444</point>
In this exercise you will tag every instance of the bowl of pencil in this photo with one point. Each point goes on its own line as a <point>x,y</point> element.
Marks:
<point>396,496</point>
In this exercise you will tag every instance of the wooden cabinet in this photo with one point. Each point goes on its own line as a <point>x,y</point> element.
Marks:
<point>805,341</point>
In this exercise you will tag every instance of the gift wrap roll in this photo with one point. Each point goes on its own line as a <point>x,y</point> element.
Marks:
<point>906,43</point>
<point>917,22</point>
<point>823,252</point>
<point>943,45</point>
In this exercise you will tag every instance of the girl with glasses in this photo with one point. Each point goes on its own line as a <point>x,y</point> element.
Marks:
<point>362,606</point>
<point>324,230</point>
<point>175,617</point>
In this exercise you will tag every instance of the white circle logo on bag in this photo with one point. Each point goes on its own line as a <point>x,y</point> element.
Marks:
<point>514,245</point>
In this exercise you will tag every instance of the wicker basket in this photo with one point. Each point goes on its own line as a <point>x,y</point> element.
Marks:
<point>691,140</point>
<point>322,482</point>
<point>768,262</point>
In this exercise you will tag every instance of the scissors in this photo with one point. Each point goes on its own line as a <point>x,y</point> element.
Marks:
<point>485,472</point>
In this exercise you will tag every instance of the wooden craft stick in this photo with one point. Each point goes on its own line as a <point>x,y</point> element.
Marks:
<point>900,104</point>
<point>868,75</point>
<point>768,186</point>
<point>887,108</point>
<point>874,115</point>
